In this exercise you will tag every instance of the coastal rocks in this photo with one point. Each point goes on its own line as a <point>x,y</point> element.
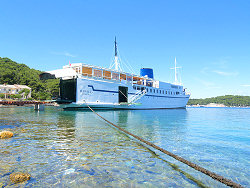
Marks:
<point>19,177</point>
<point>6,134</point>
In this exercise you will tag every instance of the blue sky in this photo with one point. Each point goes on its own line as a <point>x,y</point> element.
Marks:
<point>210,39</point>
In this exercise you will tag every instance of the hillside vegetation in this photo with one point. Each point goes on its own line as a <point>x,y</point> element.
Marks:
<point>15,73</point>
<point>227,100</point>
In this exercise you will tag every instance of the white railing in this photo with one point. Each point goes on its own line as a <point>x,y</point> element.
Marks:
<point>137,96</point>
<point>90,76</point>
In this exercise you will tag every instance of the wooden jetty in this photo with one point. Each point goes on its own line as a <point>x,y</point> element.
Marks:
<point>38,105</point>
<point>21,103</point>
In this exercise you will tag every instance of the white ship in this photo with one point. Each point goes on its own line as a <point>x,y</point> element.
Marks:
<point>103,88</point>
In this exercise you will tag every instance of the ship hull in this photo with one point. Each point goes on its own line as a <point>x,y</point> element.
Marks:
<point>106,94</point>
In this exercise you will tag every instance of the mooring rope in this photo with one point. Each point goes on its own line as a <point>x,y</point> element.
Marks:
<point>192,165</point>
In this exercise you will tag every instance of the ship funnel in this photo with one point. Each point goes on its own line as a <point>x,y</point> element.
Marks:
<point>147,72</point>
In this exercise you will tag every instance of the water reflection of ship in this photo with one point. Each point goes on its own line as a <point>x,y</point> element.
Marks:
<point>66,126</point>
<point>154,125</point>
<point>151,124</point>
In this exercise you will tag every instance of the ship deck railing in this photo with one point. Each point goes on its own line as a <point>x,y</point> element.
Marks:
<point>113,80</point>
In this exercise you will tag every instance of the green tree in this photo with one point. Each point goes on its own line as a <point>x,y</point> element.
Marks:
<point>18,96</point>
<point>2,96</point>
<point>25,91</point>
<point>15,73</point>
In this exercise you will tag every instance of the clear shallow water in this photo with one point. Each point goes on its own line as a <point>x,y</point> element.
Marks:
<point>76,148</point>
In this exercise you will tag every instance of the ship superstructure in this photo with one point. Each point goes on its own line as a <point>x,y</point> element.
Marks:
<point>83,84</point>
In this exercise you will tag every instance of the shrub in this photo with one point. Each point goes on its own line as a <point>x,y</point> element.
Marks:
<point>2,96</point>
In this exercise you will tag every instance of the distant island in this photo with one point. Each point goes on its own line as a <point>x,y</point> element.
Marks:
<point>221,101</point>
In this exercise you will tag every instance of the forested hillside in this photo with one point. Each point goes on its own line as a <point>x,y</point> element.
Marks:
<point>227,100</point>
<point>15,73</point>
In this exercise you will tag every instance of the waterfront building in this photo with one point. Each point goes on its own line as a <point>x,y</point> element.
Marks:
<point>9,90</point>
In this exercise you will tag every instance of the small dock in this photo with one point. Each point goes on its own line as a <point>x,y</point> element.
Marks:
<point>38,105</point>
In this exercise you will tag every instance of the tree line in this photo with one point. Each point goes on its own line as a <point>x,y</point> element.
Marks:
<point>12,73</point>
<point>227,100</point>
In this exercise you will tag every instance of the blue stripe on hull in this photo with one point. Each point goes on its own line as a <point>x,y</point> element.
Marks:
<point>100,90</point>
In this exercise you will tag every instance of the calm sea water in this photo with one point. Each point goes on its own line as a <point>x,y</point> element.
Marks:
<point>78,149</point>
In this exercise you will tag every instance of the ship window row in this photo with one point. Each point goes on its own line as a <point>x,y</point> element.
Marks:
<point>105,74</point>
<point>139,88</point>
<point>98,73</point>
<point>159,91</point>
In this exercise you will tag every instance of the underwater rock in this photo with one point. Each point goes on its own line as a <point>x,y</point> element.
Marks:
<point>6,134</point>
<point>19,177</point>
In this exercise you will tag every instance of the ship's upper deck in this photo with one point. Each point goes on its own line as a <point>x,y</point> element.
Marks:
<point>94,72</point>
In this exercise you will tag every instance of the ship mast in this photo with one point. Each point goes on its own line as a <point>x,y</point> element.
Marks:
<point>116,57</point>
<point>175,72</point>
<point>116,63</point>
